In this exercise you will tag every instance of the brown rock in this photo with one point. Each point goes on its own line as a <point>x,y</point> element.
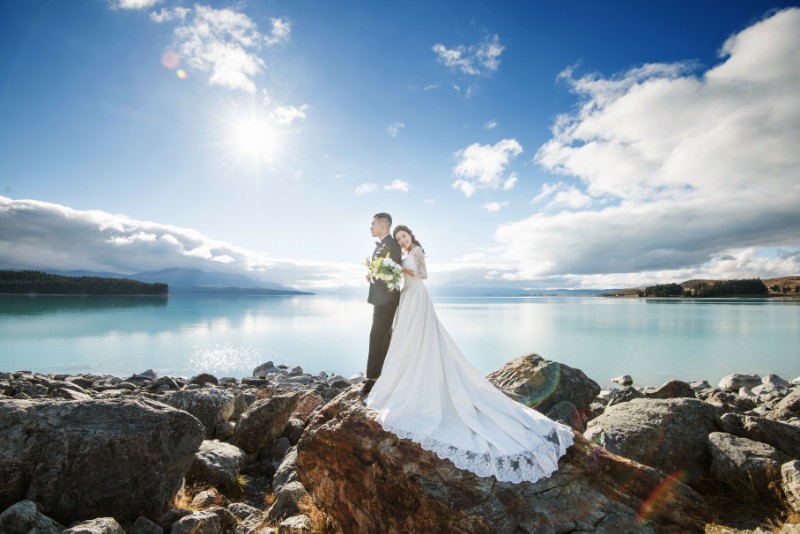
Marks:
<point>369,480</point>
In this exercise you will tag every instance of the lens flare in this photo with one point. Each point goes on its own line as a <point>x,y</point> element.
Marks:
<point>170,59</point>
<point>181,74</point>
<point>547,381</point>
<point>653,503</point>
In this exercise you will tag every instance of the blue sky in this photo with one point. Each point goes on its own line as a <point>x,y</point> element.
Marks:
<point>528,144</point>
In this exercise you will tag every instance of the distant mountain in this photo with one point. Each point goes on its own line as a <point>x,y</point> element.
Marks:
<point>445,291</point>
<point>184,281</point>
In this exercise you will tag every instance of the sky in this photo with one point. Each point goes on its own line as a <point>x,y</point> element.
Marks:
<point>527,144</point>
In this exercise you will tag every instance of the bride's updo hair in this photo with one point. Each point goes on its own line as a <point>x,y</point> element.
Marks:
<point>406,229</point>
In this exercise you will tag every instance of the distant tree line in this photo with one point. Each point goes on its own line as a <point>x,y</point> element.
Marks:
<point>664,290</point>
<point>22,282</point>
<point>720,288</point>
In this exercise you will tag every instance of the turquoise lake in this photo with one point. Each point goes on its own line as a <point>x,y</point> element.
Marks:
<point>653,340</point>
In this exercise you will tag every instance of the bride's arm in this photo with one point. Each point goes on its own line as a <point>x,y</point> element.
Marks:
<point>419,259</point>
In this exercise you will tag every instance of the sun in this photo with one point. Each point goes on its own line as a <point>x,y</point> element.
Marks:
<point>254,139</point>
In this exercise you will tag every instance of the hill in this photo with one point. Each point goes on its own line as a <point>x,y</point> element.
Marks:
<point>788,286</point>
<point>24,282</point>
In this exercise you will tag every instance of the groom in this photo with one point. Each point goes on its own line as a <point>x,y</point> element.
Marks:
<point>383,300</point>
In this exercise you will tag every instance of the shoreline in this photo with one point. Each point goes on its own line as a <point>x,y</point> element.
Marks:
<point>261,423</point>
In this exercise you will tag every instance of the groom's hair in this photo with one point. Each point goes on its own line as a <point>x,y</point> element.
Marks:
<point>385,217</point>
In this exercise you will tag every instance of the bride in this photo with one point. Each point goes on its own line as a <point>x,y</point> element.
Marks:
<point>429,393</point>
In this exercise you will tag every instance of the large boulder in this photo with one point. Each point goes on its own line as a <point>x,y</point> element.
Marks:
<point>210,405</point>
<point>541,383</point>
<point>741,462</point>
<point>674,389</point>
<point>86,459</point>
<point>782,436</point>
<point>369,480</point>
<point>264,421</point>
<point>25,517</point>
<point>670,435</point>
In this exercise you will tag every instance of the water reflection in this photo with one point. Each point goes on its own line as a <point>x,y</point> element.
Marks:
<point>47,304</point>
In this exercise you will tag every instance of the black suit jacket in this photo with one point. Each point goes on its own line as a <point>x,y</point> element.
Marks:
<point>379,293</point>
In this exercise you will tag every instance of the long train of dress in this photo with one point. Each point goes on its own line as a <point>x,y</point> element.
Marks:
<point>428,392</point>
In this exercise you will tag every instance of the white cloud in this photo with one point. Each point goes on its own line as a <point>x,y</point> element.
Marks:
<point>430,201</point>
<point>288,114</point>
<point>691,168</point>
<point>398,185</point>
<point>476,60</point>
<point>281,30</point>
<point>512,180</point>
<point>365,188</point>
<point>223,44</point>
<point>168,15</point>
<point>562,195</point>
<point>43,235</point>
<point>491,125</point>
<point>481,166</point>
<point>431,87</point>
<point>494,207</point>
<point>134,4</point>
<point>394,128</point>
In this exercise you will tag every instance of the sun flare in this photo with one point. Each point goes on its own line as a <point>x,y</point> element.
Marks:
<point>254,139</point>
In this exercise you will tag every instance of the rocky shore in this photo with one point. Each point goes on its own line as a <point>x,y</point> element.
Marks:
<point>286,451</point>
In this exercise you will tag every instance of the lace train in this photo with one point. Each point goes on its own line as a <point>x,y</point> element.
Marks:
<point>516,468</point>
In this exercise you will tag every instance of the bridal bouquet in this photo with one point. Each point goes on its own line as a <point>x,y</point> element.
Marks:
<point>385,269</point>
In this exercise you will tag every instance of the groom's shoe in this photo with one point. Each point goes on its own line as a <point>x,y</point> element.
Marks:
<point>366,388</point>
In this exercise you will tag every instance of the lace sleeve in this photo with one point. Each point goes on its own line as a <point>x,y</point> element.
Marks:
<point>419,259</point>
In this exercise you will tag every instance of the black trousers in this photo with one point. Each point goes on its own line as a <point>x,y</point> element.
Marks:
<point>379,338</point>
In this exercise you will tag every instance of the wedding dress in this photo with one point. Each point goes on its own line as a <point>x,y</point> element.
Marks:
<point>429,393</point>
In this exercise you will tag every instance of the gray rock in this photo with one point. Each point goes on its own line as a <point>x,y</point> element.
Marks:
<point>280,447</point>
<point>209,497</point>
<point>204,378</point>
<point>172,516</point>
<point>286,501</point>
<point>264,421</point>
<point>26,517</point>
<point>790,476</point>
<point>623,395</point>
<point>670,435</point>
<point>294,430</point>
<point>297,524</point>
<point>782,436</point>
<point>142,525</point>
<point>198,523</point>
<point>567,413</point>
<point>102,525</point>
<point>776,380</point>
<point>699,385</point>
<point>788,409</point>
<point>734,382</point>
<point>674,389</point>
<point>265,369</point>
<point>217,463</point>
<point>86,459</point>
<point>243,511</point>
<point>209,405</point>
<point>740,462</point>
<point>730,402</point>
<point>541,383</point>
<point>287,471</point>
<point>623,380</point>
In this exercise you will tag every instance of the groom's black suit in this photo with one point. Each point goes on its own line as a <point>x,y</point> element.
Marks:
<point>384,303</point>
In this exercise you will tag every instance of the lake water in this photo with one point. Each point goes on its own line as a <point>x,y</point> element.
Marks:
<point>652,340</point>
